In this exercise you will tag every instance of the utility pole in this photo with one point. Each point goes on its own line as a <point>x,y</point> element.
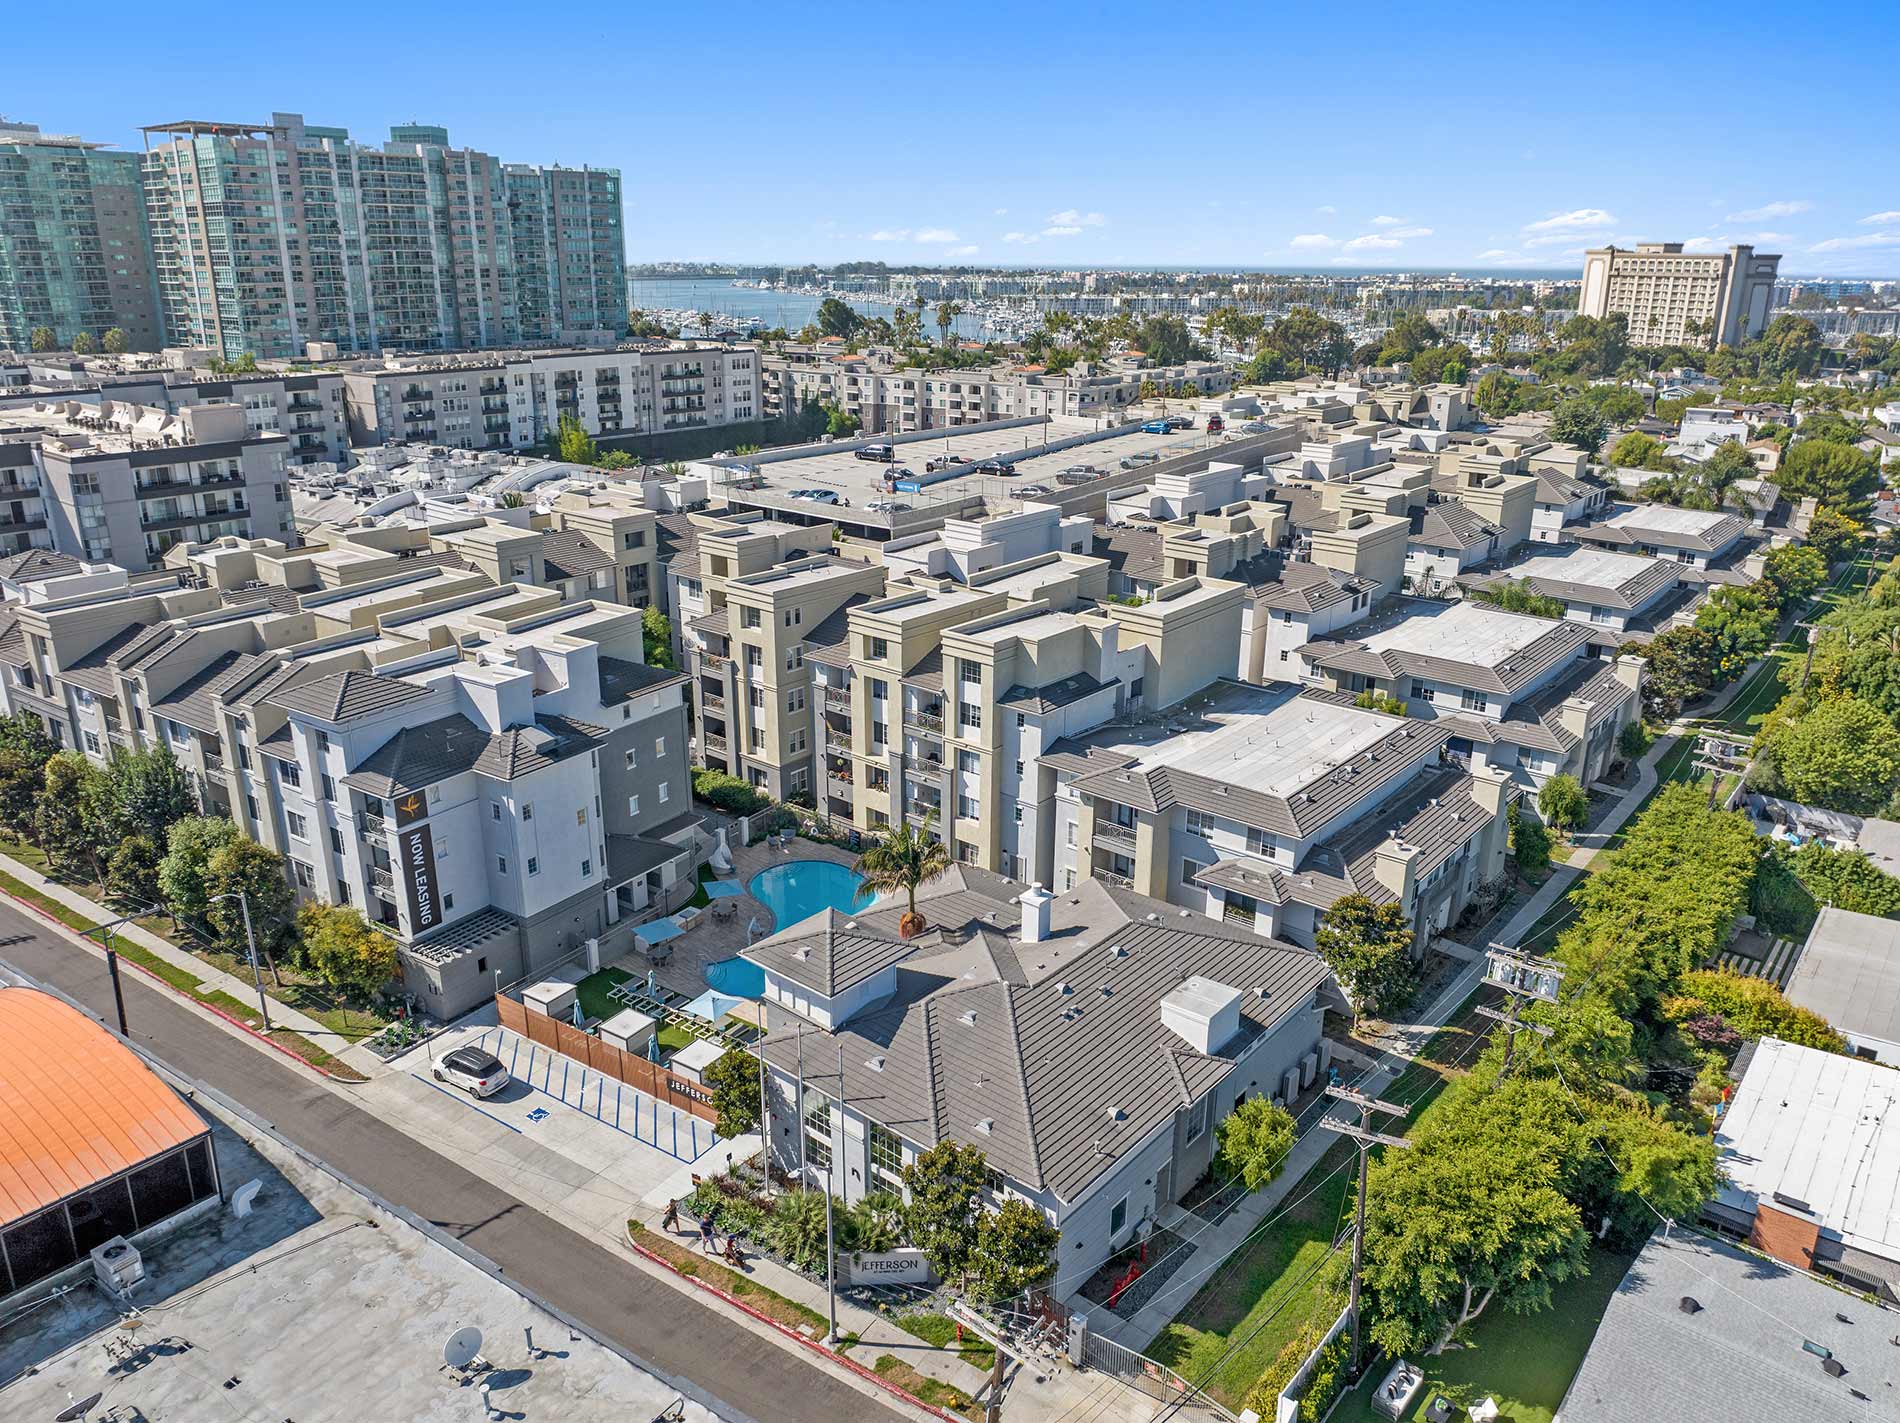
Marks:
<point>1365,1138</point>
<point>831,1239</point>
<point>257,976</point>
<point>1718,758</point>
<point>1520,975</point>
<point>104,931</point>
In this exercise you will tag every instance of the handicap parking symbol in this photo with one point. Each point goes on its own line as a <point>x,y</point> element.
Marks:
<point>539,1114</point>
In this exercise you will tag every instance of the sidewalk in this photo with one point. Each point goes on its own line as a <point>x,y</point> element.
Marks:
<point>282,1015</point>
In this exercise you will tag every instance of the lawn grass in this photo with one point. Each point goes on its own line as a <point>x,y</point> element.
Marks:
<point>700,898</point>
<point>691,1263</point>
<point>940,1331</point>
<point>673,1037</point>
<point>1524,1361</point>
<point>935,1392</point>
<point>71,918</point>
<point>593,993</point>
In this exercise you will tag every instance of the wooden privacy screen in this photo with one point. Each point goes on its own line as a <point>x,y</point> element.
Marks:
<point>606,1059</point>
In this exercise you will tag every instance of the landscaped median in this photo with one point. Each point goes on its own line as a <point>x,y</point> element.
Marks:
<point>799,1322</point>
<point>182,980</point>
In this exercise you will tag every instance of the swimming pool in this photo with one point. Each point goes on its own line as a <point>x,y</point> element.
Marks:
<point>735,977</point>
<point>799,889</point>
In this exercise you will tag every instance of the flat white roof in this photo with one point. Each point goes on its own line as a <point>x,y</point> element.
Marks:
<point>1465,632</point>
<point>1268,739</point>
<point>1813,1126</point>
<point>1030,629</point>
<point>1668,520</point>
<point>1592,567</point>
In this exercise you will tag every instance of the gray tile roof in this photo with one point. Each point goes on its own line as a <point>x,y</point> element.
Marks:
<point>522,749</point>
<point>829,952</point>
<point>93,670</point>
<point>419,756</point>
<point>981,1045</point>
<point>1633,592</point>
<point>1134,551</point>
<point>1635,531</point>
<point>1449,524</point>
<point>1308,588</point>
<point>1562,640</point>
<point>342,696</point>
<point>1738,1354</point>
<point>714,624</point>
<point>38,563</point>
<point>1053,695</point>
<point>570,555</point>
<point>1560,490</point>
<point>278,600</point>
<point>192,702</point>
<point>621,679</point>
<point>829,642</point>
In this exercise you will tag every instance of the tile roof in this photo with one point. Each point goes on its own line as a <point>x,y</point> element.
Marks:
<point>278,600</point>
<point>1617,580</point>
<point>1051,696</point>
<point>342,696</point>
<point>522,749</point>
<point>1309,588</point>
<point>982,1045</point>
<point>621,679</point>
<point>1664,527</point>
<point>38,563</point>
<point>419,756</point>
<point>1132,550</point>
<point>570,555</point>
<point>829,642</point>
<point>93,670</point>
<point>192,702</point>
<point>1449,524</point>
<point>1518,666</point>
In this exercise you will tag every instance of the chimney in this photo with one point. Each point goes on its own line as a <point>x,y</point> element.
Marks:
<point>1629,671</point>
<point>1035,902</point>
<point>1395,866</point>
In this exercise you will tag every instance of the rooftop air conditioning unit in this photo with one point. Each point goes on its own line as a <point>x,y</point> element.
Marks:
<point>117,1264</point>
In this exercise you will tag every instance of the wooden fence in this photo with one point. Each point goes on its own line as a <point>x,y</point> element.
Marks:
<point>606,1059</point>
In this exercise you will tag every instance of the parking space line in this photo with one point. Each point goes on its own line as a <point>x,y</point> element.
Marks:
<point>470,1105</point>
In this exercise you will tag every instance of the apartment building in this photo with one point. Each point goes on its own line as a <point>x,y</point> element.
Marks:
<point>888,400</point>
<point>74,254</point>
<point>1623,592</point>
<point>123,483</point>
<point>517,400</point>
<point>1110,1036</point>
<point>1532,697</point>
<point>1564,500</point>
<point>22,504</point>
<point>1263,806</point>
<point>1678,298</point>
<point>268,237</point>
<point>1697,538</point>
<point>491,773</point>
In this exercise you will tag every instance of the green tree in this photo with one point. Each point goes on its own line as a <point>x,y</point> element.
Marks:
<point>835,318</point>
<point>840,423</point>
<point>1833,535</point>
<point>1496,394</point>
<point>1578,422</point>
<point>182,874</point>
<point>1838,753</point>
<point>42,338</point>
<point>656,636</point>
<point>1633,741</point>
<point>21,779</point>
<point>245,866</point>
<point>1254,1140</point>
<point>733,1080</point>
<point>132,871</point>
<point>877,1220</point>
<point>1636,451</point>
<point>116,342</point>
<point>1368,947</point>
<point>1562,803</point>
<point>1530,842</point>
<point>85,344</point>
<point>1742,622</point>
<point>1410,334</point>
<point>1682,666</point>
<point>1442,363</point>
<point>151,790</point>
<point>1791,346</point>
<point>1795,572</point>
<point>947,314</point>
<point>1166,341</point>
<point>946,1191</point>
<point>797,1228</point>
<point>1015,1251</point>
<point>1754,1007</point>
<point>1265,366</point>
<point>1846,879</point>
<point>67,814</point>
<point>1309,339</point>
<point>1842,477</point>
<point>25,736</point>
<point>345,951</point>
<point>905,858</point>
<point>573,444</point>
<point>1514,596</point>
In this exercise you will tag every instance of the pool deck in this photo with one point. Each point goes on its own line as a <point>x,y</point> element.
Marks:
<point>709,941</point>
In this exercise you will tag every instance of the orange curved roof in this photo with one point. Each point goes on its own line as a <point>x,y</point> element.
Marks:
<point>76,1104</point>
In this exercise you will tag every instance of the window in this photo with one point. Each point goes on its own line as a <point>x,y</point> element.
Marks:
<point>968,763</point>
<point>534,865</point>
<point>336,840</point>
<point>795,657</point>
<point>501,864</point>
<point>969,671</point>
<point>887,1153</point>
<point>1190,870</point>
<point>1199,822</point>
<point>794,617</point>
<point>1021,721</point>
<point>299,828</point>
<point>1117,1217</point>
<point>659,746</point>
<point>633,758</point>
<point>329,788</point>
<point>880,689</point>
<point>1017,814</point>
<point>748,617</point>
<point>1471,701</point>
<point>92,743</point>
<point>1261,842</point>
<point>306,877</point>
<point>527,811</point>
<point>755,697</point>
<point>580,815</point>
<point>795,700</point>
<point>633,805</point>
<point>817,1154</point>
<point>969,716</point>
<point>289,773</point>
<point>1422,692</point>
<point>1197,1120</point>
<point>663,793</point>
<point>879,649</point>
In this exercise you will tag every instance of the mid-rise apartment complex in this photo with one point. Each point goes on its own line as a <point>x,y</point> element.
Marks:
<point>74,254</point>
<point>490,772</point>
<point>269,237</point>
<point>1676,298</point>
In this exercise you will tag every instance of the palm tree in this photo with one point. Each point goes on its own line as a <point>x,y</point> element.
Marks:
<point>906,858</point>
<point>947,313</point>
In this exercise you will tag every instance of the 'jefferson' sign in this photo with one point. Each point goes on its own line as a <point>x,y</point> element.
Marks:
<point>890,1267</point>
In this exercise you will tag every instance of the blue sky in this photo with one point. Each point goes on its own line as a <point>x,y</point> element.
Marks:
<point>1371,135</point>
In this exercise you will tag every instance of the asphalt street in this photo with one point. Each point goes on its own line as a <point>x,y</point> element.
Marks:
<point>613,1297</point>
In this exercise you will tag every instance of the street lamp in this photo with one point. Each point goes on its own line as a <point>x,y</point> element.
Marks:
<point>244,904</point>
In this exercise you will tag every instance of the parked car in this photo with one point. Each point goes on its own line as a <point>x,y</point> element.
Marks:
<point>1215,424</point>
<point>1156,427</point>
<point>1180,422</point>
<point>937,462</point>
<point>996,466</point>
<point>887,506</point>
<point>817,496</point>
<point>1033,491</point>
<point>883,454</point>
<point>1137,460</point>
<point>478,1073</point>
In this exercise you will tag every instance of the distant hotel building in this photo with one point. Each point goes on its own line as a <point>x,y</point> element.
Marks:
<point>1673,297</point>
<point>74,255</point>
<point>268,237</point>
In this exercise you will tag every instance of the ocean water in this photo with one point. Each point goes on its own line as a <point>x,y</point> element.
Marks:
<point>788,309</point>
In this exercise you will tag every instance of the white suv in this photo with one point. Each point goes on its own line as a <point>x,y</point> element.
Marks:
<point>476,1072</point>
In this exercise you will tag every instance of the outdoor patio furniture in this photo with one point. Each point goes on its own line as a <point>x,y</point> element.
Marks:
<point>1439,1410</point>
<point>1485,1412</point>
<point>1394,1396</point>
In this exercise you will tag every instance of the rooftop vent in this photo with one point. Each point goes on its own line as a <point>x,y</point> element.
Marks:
<point>1834,1368</point>
<point>1689,1304</point>
<point>1063,990</point>
<point>967,1017</point>
<point>1115,1114</point>
<point>876,1064</point>
<point>986,1125</point>
<point>1116,951</point>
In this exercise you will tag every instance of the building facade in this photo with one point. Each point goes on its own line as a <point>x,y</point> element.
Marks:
<point>1678,298</point>
<point>75,257</point>
<point>266,238</point>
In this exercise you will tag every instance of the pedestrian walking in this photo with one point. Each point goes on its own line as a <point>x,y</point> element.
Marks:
<point>706,1236</point>
<point>671,1220</point>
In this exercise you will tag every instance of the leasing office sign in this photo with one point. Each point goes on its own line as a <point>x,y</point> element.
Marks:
<point>417,868</point>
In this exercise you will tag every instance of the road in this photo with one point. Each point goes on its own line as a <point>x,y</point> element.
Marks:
<point>612,1296</point>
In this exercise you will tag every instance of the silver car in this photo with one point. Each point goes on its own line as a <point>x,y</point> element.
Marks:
<point>476,1072</point>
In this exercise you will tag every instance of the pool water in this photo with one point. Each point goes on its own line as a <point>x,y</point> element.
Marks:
<point>735,977</point>
<point>799,889</point>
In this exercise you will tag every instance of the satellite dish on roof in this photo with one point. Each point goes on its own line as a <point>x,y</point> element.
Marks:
<point>80,1409</point>
<point>464,1346</point>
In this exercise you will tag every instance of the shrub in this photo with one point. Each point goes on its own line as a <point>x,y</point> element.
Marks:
<point>1264,1396</point>
<point>1633,741</point>
<point>1753,1007</point>
<point>1326,1381</point>
<point>728,793</point>
<point>1530,842</point>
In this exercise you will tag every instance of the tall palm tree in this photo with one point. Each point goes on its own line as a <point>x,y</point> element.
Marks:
<point>947,313</point>
<point>907,858</point>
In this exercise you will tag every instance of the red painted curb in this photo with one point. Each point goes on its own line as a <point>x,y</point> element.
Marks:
<point>869,1375</point>
<point>268,1041</point>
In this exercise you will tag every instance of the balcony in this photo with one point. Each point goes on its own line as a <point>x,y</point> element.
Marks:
<point>305,402</point>
<point>1121,881</point>
<point>928,766</point>
<point>838,743</point>
<point>382,883</point>
<point>837,699</point>
<point>372,826</point>
<point>1110,830</point>
<point>839,788</point>
<point>716,705</point>
<point>158,488</point>
<point>214,763</point>
<point>713,744</point>
<point>927,721</point>
<point>916,810</point>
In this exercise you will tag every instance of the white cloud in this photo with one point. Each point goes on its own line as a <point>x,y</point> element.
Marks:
<point>888,234</point>
<point>969,249</point>
<point>935,234</point>
<point>1070,217</point>
<point>1388,222</point>
<point>1879,218</point>
<point>1019,237</point>
<point>1499,254</point>
<point>1576,220</point>
<point>1787,208</point>
<point>1549,239</point>
<point>1404,232</point>
<point>1000,212</point>
<point>1865,239</point>
<point>1326,209</point>
<point>1312,239</point>
<point>1060,231</point>
<point>1373,242</point>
